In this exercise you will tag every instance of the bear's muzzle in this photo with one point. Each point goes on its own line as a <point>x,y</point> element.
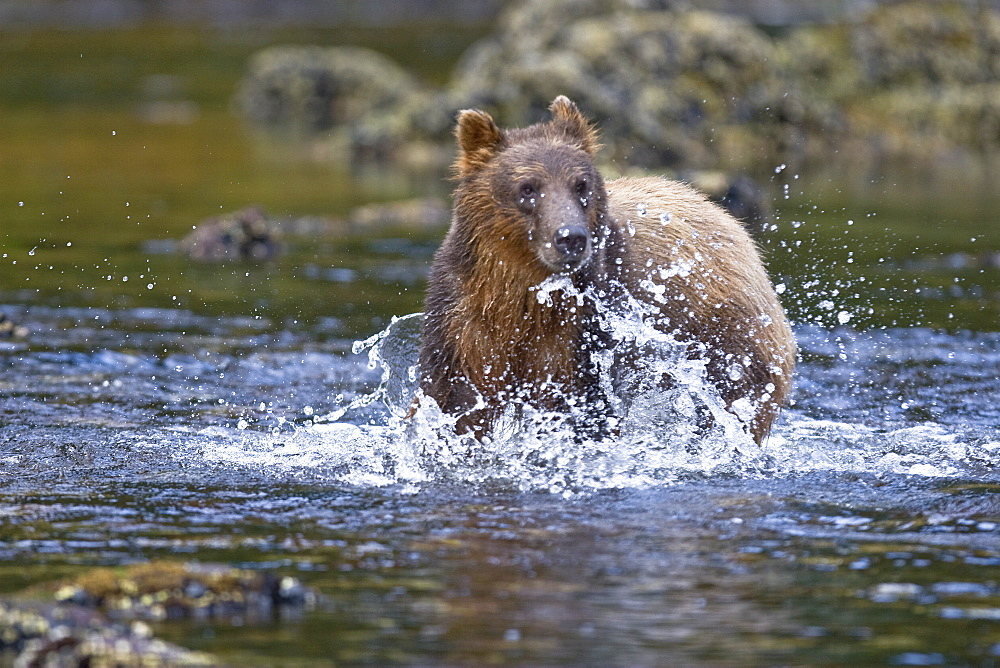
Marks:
<point>572,243</point>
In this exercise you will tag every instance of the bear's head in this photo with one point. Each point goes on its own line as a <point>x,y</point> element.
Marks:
<point>536,188</point>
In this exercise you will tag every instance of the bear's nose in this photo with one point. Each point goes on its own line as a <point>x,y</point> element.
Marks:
<point>571,241</point>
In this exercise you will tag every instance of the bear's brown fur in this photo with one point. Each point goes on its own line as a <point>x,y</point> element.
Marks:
<point>530,205</point>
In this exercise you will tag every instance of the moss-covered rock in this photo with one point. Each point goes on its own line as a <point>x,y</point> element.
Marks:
<point>314,89</point>
<point>913,79</point>
<point>668,85</point>
<point>171,590</point>
<point>413,214</point>
<point>100,617</point>
<point>667,88</point>
<point>359,103</point>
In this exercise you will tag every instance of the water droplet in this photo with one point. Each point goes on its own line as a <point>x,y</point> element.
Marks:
<point>641,209</point>
<point>736,372</point>
<point>844,317</point>
<point>666,217</point>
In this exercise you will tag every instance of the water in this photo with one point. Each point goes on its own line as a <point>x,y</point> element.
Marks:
<point>223,416</point>
<point>870,516</point>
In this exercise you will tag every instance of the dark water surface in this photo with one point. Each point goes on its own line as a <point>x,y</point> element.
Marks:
<point>159,409</point>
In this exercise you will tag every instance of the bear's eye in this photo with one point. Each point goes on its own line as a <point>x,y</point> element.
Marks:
<point>582,188</point>
<point>527,190</point>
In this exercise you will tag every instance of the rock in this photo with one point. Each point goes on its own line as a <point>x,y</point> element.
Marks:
<point>667,87</point>
<point>100,618</point>
<point>670,86</point>
<point>171,590</point>
<point>914,79</point>
<point>312,89</point>
<point>10,329</point>
<point>45,634</point>
<point>358,103</point>
<point>928,44</point>
<point>247,234</point>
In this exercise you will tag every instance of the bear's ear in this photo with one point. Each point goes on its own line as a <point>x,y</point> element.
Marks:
<point>478,140</point>
<point>568,117</point>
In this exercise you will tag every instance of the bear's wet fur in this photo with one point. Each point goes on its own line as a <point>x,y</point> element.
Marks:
<point>530,206</point>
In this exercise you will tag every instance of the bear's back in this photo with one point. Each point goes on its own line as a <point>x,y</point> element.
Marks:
<point>670,230</point>
<point>701,272</point>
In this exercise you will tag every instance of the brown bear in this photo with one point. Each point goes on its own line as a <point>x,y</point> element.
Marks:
<point>531,207</point>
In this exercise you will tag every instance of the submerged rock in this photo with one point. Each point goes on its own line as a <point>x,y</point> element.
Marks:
<point>952,262</point>
<point>247,234</point>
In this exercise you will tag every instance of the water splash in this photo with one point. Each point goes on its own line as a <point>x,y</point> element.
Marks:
<point>660,435</point>
<point>395,349</point>
<point>659,442</point>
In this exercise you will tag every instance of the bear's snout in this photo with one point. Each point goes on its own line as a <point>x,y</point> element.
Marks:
<point>563,230</point>
<point>571,242</point>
